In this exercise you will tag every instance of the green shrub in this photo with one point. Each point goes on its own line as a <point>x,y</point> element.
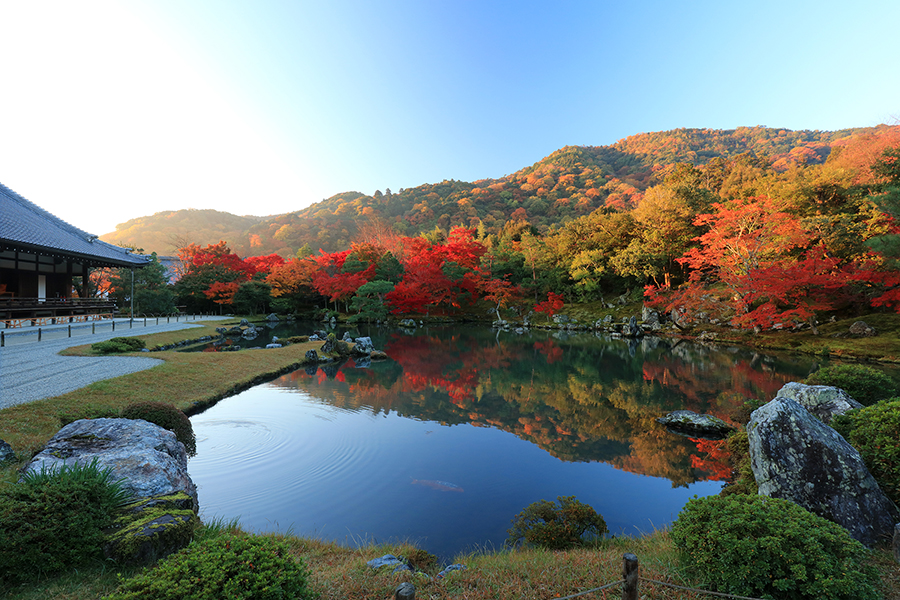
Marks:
<point>771,548</point>
<point>118,345</point>
<point>557,525</point>
<point>743,481</point>
<point>167,417</point>
<point>227,566</point>
<point>54,519</point>
<point>873,431</point>
<point>866,385</point>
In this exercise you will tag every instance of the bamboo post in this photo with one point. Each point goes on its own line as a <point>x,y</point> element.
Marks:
<point>39,334</point>
<point>93,327</point>
<point>70,330</point>
<point>2,339</point>
<point>630,573</point>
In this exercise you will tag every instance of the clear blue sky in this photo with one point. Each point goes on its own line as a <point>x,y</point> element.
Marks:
<point>114,110</point>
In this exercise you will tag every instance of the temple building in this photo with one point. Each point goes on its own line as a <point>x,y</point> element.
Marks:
<point>40,258</point>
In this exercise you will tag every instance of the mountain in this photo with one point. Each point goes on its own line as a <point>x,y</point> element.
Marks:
<point>165,232</point>
<point>570,182</point>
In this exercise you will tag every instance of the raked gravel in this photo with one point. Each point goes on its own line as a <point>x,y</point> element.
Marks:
<point>32,370</point>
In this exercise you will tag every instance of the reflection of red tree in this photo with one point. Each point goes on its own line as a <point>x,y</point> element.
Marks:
<point>421,371</point>
<point>549,349</point>
<point>716,462</point>
<point>700,391</point>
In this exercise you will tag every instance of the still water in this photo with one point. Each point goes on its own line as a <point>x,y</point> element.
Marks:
<point>464,427</point>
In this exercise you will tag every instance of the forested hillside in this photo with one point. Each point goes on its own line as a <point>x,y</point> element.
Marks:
<point>165,232</point>
<point>758,228</point>
<point>569,183</point>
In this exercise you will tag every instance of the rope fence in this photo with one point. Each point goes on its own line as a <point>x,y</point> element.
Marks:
<point>107,320</point>
<point>631,579</point>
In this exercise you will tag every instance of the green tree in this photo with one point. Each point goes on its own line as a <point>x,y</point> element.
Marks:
<point>369,301</point>
<point>152,292</point>
<point>252,297</point>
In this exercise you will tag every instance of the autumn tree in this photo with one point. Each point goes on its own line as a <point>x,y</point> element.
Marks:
<point>291,283</point>
<point>755,261</point>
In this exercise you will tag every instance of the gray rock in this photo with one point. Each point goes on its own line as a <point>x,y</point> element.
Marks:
<point>363,346</point>
<point>273,345</point>
<point>450,569</point>
<point>690,423</point>
<point>650,318</point>
<point>824,401</point>
<point>347,337</point>
<point>6,452</point>
<point>244,323</point>
<point>149,458</point>
<point>680,319</point>
<point>405,591</point>
<point>631,329</point>
<point>272,317</point>
<point>388,560</point>
<point>862,329</point>
<point>314,338</point>
<point>561,319</point>
<point>151,529</point>
<point>796,457</point>
<point>407,323</point>
<point>312,355</point>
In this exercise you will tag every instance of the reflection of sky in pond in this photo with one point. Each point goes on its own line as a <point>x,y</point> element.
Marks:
<point>331,456</point>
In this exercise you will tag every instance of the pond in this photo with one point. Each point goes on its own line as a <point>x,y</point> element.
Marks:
<point>464,427</point>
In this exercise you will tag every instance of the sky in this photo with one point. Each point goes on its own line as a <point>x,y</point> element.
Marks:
<point>115,110</point>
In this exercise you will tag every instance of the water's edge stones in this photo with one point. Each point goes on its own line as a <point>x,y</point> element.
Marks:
<point>686,422</point>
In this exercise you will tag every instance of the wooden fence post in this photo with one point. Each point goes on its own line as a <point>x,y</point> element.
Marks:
<point>630,573</point>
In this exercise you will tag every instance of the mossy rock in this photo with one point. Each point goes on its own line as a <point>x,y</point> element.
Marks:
<point>151,529</point>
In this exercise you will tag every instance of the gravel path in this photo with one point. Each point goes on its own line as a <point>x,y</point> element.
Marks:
<point>32,370</point>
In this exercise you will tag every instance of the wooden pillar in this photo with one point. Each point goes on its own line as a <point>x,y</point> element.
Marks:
<point>85,281</point>
<point>630,573</point>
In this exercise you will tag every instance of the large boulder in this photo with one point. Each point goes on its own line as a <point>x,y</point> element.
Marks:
<point>149,458</point>
<point>689,423</point>
<point>824,401</point>
<point>796,457</point>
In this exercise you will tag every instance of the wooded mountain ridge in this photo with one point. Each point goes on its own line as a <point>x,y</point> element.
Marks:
<point>571,182</point>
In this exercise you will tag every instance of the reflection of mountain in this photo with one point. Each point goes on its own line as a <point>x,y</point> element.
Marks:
<point>582,399</point>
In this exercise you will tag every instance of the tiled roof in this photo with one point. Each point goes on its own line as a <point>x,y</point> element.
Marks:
<point>24,224</point>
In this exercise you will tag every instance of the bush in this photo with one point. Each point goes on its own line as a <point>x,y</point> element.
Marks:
<point>227,566</point>
<point>167,417</point>
<point>54,520</point>
<point>118,344</point>
<point>557,525</point>
<point>873,431</point>
<point>866,385</point>
<point>772,548</point>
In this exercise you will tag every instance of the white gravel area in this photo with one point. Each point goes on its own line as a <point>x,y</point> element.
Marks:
<point>32,370</point>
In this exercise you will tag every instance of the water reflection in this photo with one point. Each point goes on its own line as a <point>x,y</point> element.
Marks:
<point>464,427</point>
